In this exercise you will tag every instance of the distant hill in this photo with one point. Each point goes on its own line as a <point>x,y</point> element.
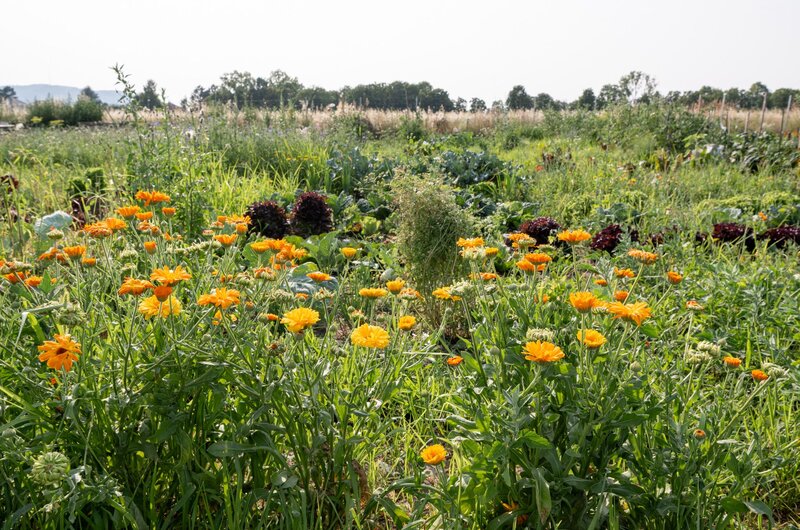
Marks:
<point>31,93</point>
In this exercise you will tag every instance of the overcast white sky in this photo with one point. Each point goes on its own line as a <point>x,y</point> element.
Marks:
<point>468,47</point>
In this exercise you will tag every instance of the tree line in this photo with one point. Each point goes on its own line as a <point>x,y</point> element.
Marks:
<point>280,90</point>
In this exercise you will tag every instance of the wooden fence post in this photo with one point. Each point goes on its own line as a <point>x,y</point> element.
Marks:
<point>763,112</point>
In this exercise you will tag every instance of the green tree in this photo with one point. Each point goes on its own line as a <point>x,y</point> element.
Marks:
<point>545,101</point>
<point>148,97</point>
<point>610,95</point>
<point>780,98</point>
<point>477,105</point>
<point>89,94</point>
<point>587,100</point>
<point>7,93</point>
<point>637,86</point>
<point>518,98</point>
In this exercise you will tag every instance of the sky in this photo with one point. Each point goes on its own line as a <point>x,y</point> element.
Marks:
<point>470,48</point>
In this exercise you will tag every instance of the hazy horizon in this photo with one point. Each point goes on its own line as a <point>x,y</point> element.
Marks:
<point>471,48</point>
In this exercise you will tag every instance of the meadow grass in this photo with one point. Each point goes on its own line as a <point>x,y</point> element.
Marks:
<point>205,401</point>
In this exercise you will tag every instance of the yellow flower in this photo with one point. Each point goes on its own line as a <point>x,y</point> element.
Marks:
<point>226,239</point>
<point>115,224</point>
<point>492,251</point>
<point>433,454</point>
<point>370,337</point>
<point>637,312</point>
<point>674,277</point>
<point>221,297</point>
<point>151,197</point>
<point>152,307</point>
<point>537,258</point>
<point>318,276</point>
<point>60,352</point>
<point>542,352</point>
<point>134,286</point>
<point>642,256</point>
<point>127,212</point>
<point>395,286</point>
<point>733,362</point>
<point>574,236</point>
<point>406,323</point>
<point>590,338</point>
<point>373,292</point>
<point>349,252</point>
<point>583,301</point>
<point>470,243</point>
<point>167,276</point>
<point>299,319</point>
<point>624,273</point>
<point>75,252</point>
<point>443,293</point>
<point>621,296</point>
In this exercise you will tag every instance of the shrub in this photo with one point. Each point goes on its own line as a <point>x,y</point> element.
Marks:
<point>429,222</point>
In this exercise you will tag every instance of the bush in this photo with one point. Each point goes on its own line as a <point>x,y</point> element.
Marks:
<point>51,111</point>
<point>429,222</point>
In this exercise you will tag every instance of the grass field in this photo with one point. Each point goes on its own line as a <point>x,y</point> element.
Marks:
<point>574,320</point>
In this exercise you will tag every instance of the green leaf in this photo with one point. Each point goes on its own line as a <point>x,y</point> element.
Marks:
<point>760,508</point>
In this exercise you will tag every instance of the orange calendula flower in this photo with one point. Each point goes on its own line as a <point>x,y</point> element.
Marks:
<point>150,247</point>
<point>538,258</point>
<point>395,286</point>
<point>153,307</point>
<point>624,273</point>
<point>473,242</point>
<point>272,317</point>
<point>221,297</point>
<point>574,236</point>
<point>97,230</point>
<point>643,256</point>
<point>48,255</point>
<point>226,239</point>
<point>601,282</point>
<point>89,261</point>
<point>406,323</point>
<point>127,212</point>
<point>318,276</point>
<point>241,228</point>
<point>491,251</point>
<point>733,362</point>
<point>590,338</point>
<point>144,216</point>
<point>167,276</point>
<point>299,319</point>
<point>485,276</point>
<point>410,294</point>
<point>134,287</point>
<point>150,197</point>
<point>433,454</point>
<point>621,296</point>
<point>372,292</point>
<point>60,352</point>
<point>369,336</point>
<point>265,273</point>
<point>15,277</point>
<point>35,281</point>
<point>454,360</point>
<point>528,267</point>
<point>699,434</point>
<point>259,247</point>
<point>443,293</point>
<point>168,211</point>
<point>115,224</point>
<point>162,292</point>
<point>694,305</point>
<point>583,301</point>
<point>542,352</point>
<point>674,278</point>
<point>759,375</point>
<point>637,312</point>
<point>349,252</point>
<point>75,252</point>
